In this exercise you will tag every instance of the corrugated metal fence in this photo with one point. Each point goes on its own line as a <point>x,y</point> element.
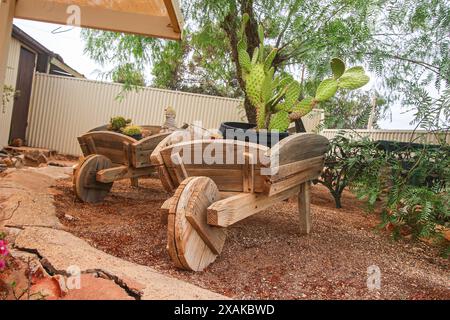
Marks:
<point>64,108</point>
<point>418,136</point>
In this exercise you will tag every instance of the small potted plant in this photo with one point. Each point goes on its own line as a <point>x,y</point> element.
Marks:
<point>276,99</point>
<point>133,131</point>
<point>116,124</point>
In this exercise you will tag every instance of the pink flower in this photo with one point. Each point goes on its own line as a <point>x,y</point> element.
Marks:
<point>2,264</point>
<point>3,249</point>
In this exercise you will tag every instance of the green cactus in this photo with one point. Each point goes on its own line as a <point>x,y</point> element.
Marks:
<point>132,131</point>
<point>276,100</point>
<point>118,123</point>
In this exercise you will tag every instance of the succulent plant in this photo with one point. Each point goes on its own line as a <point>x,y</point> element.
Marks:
<point>132,131</point>
<point>118,123</point>
<point>276,99</point>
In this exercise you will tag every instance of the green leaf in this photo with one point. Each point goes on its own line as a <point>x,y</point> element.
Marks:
<point>255,56</point>
<point>280,121</point>
<point>292,93</point>
<point>244,60</point>
<point>338,67</point>
<point>327,89</point>
<point>353,78</point>
<point>266,90</point>
<point>261,34</point>
<point>270,58</point>
<point>304,106</point>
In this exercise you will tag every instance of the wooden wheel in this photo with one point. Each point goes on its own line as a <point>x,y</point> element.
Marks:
<point>192,243</point>
<point>86,186</point>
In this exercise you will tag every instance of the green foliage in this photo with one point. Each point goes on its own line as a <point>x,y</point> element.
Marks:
<point>276,100</point>
<point>346,161</point>
<point>405,43</point>
<point>128,75</point>
<point>352,110</point>
<point>118,123</point>
<point>408,183</point>
<point>132,131</point>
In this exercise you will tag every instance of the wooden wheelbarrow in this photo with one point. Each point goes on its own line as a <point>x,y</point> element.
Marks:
<point>109,157</point>
<point>229,182</point>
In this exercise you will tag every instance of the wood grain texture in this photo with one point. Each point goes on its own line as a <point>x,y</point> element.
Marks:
<point>233,209</point>
<point>192,243</point>
<point>298,147</point>
<point>87,188</point>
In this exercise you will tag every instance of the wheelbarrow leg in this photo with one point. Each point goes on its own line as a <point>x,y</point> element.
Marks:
<point>134,182</point>
<point>304,208</point>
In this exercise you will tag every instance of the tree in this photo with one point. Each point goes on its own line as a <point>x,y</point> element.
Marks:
<point>127,74</point>
<point>309,34</point>
<point>352,110</point>
<point>404,42</point>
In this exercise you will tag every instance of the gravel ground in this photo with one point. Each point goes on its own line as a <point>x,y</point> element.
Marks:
<point>264,256</point>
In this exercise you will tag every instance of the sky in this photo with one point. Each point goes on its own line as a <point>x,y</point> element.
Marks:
<point>70,47</point>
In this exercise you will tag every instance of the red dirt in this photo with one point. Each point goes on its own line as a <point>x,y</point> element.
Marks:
<point>264,256</point>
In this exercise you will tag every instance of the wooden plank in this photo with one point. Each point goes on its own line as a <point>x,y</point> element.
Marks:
<point>298,147</point>
<point>134,182</point>
<point>159,26</point>
<point>304,208</point>
<point>292,168</point>
<point>142,150</point>
<point>248,172</point>
<point>179,169</point>
<point>227,212</point>
<point>122,172</point>
<point>157,160</point>
<point>91,145</point>
<point>282,185</point>
<point>126,147</point>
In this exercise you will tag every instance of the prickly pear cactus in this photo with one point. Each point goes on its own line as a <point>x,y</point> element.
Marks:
<point>277,100</point>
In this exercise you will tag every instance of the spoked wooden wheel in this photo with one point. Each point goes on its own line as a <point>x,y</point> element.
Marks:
<point>192,243</point>
<point>86,186</point>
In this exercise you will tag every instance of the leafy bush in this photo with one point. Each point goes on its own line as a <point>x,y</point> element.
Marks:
<point>413,186</point>
<point>345,161</point>
<point>408,182</point>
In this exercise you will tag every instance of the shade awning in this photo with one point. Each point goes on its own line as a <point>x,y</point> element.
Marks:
<point>154,18</point>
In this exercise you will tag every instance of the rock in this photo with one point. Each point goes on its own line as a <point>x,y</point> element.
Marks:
<point>41,159</point>
<point>62,249</point>
<point>69,217</point>
<point>93,288</point>
<point>46,289</point>
<point>8,162</point>
<point>18,143</point>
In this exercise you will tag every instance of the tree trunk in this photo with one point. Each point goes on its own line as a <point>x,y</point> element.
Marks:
<point>230,25</point>
<point>337,200</point>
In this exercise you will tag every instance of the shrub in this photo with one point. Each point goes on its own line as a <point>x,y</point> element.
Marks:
<point>344,162</point>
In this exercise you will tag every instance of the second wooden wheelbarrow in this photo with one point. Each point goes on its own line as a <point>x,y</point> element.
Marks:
<point>228,182</point>
<point>109,157</point>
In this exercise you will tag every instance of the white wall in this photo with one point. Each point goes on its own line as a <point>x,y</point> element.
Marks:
<point>11,78</point>
<point>64,108</point>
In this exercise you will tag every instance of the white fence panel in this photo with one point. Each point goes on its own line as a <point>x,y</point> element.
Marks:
<point>418,136</point>
<point>64,108</point>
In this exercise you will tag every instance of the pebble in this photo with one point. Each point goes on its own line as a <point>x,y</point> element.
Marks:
<point>69,217</point>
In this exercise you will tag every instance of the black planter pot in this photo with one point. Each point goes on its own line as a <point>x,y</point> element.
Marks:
<point>137,136</point>
<point>246,132</point>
